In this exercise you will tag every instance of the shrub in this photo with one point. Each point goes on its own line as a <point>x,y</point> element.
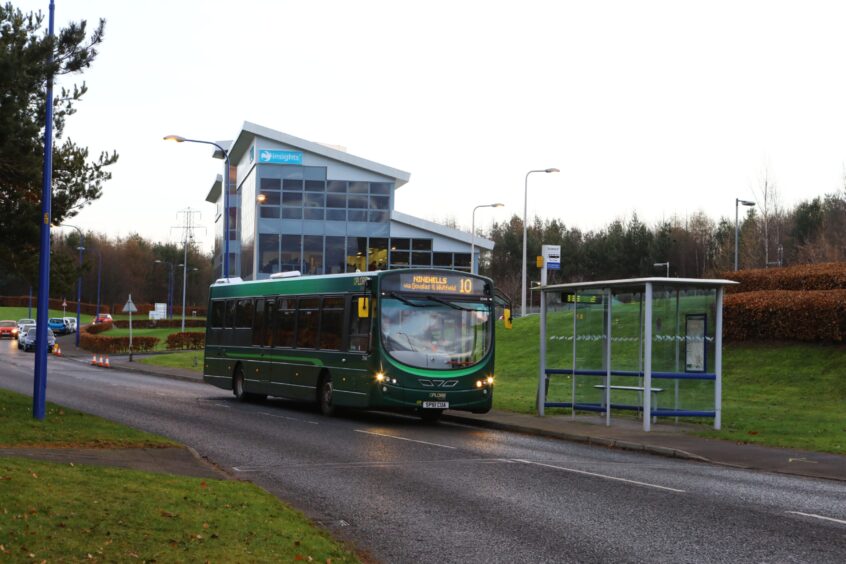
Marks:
<point>186,340</point>
<point>825,276</point>
<point>818,315</point>
<point>98,328</point>
<point>152,323</point>
<point>112,345</point>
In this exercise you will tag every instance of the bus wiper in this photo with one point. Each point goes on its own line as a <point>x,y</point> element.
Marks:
<point>449,303</point>
<point>406,301</point>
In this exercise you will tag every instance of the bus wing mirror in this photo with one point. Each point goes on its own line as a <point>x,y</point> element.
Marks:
<point>364,307</point>
<point>506,318</point>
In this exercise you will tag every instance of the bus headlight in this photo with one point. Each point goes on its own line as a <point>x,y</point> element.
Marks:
<point>479,383</point>
<point>490,380</point>
<point>380,376</point>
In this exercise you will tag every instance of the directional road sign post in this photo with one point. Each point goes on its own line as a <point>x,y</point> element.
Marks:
<point>130,308</point>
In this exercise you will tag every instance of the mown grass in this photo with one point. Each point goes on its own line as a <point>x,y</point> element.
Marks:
<point>777,394</point>
<point>69,512</point>
<point>66,512</point>
<point>64,427</point>
<point>15,313</point>
<point>177,360</point>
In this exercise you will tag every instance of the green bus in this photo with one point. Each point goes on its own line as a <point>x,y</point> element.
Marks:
<point>413,340</point>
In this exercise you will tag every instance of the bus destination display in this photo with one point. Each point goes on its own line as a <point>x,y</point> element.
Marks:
<point>439,283</point>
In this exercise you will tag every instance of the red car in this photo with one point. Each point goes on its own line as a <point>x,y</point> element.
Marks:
<point>8,329</point>
<point>102,318</point>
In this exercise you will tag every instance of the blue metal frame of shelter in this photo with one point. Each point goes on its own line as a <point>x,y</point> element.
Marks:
<point>643,286</point>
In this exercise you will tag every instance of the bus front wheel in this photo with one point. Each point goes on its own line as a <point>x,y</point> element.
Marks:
<point>324,395</point>
<point>239,389</point>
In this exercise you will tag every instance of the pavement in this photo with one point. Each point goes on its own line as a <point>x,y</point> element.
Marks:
<point>665,439</point>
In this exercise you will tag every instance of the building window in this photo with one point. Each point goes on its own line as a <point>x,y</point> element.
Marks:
<point>290,255</point>
<point>335,255</point>
<point>313,254</point>
<point>356,254</point>
<point>377,255</point>
<point>268,249</point>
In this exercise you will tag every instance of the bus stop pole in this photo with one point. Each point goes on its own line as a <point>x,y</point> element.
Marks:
<point>647,358</point>
<point>542,381</point>
<point>718,362</point>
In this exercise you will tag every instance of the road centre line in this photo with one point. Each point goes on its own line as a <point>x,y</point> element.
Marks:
<point>815,516</point>
<point>288,418</point>
<point>595,475</point>
<point>402,438</point>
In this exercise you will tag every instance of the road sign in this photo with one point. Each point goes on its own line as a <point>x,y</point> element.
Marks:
<point>64,303</point>
<point>129,307</point>
<point>552,257</point>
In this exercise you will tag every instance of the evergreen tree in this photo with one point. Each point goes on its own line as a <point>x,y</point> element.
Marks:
<point>28,58</point>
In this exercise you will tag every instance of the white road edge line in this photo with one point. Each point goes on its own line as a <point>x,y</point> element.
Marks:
<point>595,475</point>
<point>815,516</point>
<point>402,438</point>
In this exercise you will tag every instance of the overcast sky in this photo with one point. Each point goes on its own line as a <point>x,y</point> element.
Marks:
<point>659,108</point>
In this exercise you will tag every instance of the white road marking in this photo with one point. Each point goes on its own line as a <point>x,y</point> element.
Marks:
<point>402,438</point>
<point>288,418</point>
<point>604,476</point>
<point>824,518</point>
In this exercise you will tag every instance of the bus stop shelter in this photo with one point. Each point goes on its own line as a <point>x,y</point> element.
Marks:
<point>650,345</point>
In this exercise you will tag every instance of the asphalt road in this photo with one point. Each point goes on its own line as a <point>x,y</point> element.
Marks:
<point>409,492</point>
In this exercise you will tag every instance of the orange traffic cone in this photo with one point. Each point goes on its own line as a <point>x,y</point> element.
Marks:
<point>58,351</point>
<point>94,360</point>
<point>100,362</point>
<point>107,365</point>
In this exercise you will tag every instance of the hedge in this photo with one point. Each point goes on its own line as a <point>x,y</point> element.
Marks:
<point>824,276</point>
<point>186,340</point>
<point>153,323</point>
<point>776,315</point>
<point>113,345</point>
<point>97,328</point>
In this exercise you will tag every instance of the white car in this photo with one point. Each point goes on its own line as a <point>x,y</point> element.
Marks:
<point>21,323</point>
<point>23,330</point>
<point>28,341</point>
<point>70,323</point>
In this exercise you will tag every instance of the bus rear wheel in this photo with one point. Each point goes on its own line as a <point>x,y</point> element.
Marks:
<point>324,395</point>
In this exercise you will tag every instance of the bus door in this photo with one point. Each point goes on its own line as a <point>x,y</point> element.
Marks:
<point>263,340</point>
<point>359,370</point>
<point>284,333</point>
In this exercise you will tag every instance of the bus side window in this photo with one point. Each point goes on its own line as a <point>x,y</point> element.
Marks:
<point>331,323</point>
<point>359,326</point>
<point>269,316</point>
<point>259,324</point>
<point>244,314</point>
<point>218,309</point>
<point>230,313</point>
<point>285,323</point>
<point>308,323</point>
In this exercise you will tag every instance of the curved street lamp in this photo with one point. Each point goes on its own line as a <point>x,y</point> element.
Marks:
<point>225,153</point>
<point>737,203</point>
<point>525,233</point>
<point>473,235</point>
<point>81,250</point>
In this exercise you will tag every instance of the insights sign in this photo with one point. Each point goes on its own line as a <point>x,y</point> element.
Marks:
<point>279,156</point>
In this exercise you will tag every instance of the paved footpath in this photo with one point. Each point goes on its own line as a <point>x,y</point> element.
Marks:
<point>664,439</point>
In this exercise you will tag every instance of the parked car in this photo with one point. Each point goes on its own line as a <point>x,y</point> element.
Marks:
<point>70,323</point>
<point>28,340</point>
<point>102,318</point>
<point>8,328</point>
<point>21,323</point>
<point>23,331</point>
<point>57,324</point>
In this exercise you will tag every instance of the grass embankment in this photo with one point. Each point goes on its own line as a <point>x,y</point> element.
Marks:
<point>778,394</point>
<point>15,313</point>
<point>160,332</point>
<point>177,360</point>
<point>70,512</point>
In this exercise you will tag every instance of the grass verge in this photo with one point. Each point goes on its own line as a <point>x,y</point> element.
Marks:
<point>76,513</point>
<point>776,394</point>
<point>177,360</point>
<point>68,512</point>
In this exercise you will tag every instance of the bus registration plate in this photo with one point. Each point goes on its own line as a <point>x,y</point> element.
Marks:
<point>435,405</point>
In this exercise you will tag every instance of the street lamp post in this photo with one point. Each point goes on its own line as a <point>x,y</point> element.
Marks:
<point>473,235</point>
<point>81,249</point>
<point>225,154</point>
<point>525,234</point>
<point>184,286</point>
<point>737,203</point>
<point>169,287</point>
<point>660,264</point>
<point>99,277</point>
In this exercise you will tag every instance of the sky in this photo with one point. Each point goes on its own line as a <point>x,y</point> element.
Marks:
<point>657,108</point>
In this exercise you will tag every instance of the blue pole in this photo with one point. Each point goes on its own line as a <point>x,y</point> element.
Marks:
<point>79,288</point>
<point>39,391</point>
<point>99,270</point>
